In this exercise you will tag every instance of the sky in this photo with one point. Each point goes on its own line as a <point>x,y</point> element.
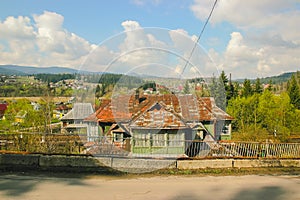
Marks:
<point>248,39</point>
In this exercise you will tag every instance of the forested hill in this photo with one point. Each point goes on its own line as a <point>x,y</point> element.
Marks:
<point>28,70</point>
<point>9,72</point>
<point>274,79</point>
<point>25,70</point>
<point>277,79</point>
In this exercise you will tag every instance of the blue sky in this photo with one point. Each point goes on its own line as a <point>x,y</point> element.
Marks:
<point>97,20</point>
<point>248,39</point>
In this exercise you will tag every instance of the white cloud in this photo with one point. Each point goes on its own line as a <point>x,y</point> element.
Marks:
<point>145,2</point>
<point>41,42</point>
<point>139,46</point>
<point>19,27</point>
<point>182,40</point>
<point>266,39</point>
<point>152,47</point>
<point>263,67</point>
<point>135,36</point>
<point>238,51</point>
<point>51,36</point>
<point>246,59</point>
<point>279,18</point>
<point>242,14</point>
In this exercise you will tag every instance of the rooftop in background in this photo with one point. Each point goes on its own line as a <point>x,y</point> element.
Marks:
<point>79,111</point>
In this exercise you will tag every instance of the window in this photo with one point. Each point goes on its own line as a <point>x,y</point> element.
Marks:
<point>141,140</point>
<point>158,140</point>
<point>176,140</point>
<point>118,137</point>
<point>225,129</point>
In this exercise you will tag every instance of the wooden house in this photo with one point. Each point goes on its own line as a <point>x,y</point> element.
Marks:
<point>161,124</point>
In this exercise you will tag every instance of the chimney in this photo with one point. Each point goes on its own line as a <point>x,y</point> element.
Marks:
<point>136,97</point>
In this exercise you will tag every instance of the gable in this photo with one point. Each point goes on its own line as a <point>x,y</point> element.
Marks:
<point>157,116</point>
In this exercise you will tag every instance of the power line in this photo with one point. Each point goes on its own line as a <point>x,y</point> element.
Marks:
<point>207,20</point>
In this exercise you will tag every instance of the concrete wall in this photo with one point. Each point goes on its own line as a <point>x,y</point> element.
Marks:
<point>88,163</point>
<point>266,163</point>
<point>30,160</point>
<point>237,163</point>
<point>201,164</point>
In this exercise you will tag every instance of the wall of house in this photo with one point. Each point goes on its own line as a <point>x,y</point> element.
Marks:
<point>227,134</point>
<point>93,131</point>
<point>153,141</point>
<point>210,127</point>
<point>216,128</point>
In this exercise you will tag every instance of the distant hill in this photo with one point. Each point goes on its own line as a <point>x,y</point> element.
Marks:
<point>5,71</point>
<point>25,70</point>
<point>28,70</point>
<point>275,79</point>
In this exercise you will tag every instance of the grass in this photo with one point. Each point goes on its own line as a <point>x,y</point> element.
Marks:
<point>231,171</point>
<point>113,174</point>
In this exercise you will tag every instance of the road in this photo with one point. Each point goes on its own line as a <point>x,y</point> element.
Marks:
<point>30,187</point>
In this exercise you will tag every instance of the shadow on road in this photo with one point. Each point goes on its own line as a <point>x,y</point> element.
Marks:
<point>268,192</point>
<point>264,193</point>
<point>16,183</point>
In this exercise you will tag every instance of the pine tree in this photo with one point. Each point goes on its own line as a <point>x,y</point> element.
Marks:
<point>294,92</point>
<point>258,88</point>
<point>217,91</point>
<point>97,92</point>
<point>224,78</point>
<point>247,89</point>
<point>186,89</point>
<point>270,87</point>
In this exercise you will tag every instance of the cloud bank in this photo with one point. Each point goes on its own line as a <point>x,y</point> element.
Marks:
<point>41,42</point>
<point>266,40</point>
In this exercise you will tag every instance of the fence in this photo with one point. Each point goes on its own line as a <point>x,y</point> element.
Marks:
<point>137,147</point>
<point>41,143</point>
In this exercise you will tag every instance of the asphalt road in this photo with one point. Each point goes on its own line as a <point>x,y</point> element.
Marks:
<point>36,187</point>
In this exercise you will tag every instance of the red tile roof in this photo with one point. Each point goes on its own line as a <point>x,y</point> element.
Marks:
<point>3,107</point>
<point>62,107</point>
<point>187,107</point>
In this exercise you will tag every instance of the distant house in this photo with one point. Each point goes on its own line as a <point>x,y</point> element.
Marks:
<point>3,108</point>
<point>164,123</point>
<point>20,117</point>
<point>36,106</point>
<point>73,121</point>
<point>60,110</point>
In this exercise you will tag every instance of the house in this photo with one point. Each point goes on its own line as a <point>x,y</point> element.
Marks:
<point>36,106</point>
<point>73,121</point>
<point>3,107</point>
<point>165,124</point>
<point>20,117</point>
<point>60,110</point>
